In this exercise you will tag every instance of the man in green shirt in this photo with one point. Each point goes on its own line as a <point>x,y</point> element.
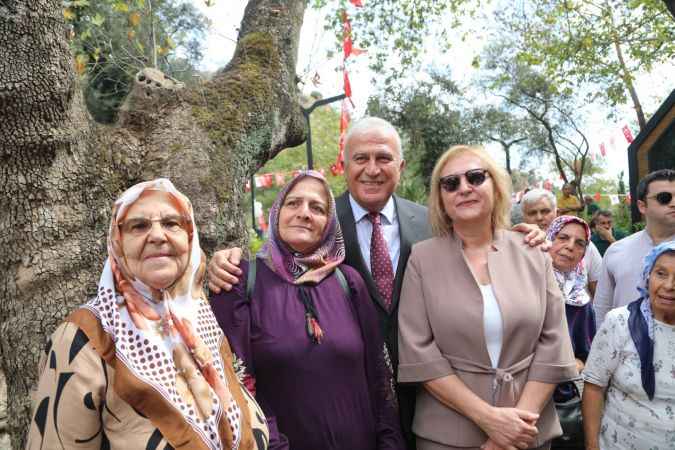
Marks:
<point>604,234</point>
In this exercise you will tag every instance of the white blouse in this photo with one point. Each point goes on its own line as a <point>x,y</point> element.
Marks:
<point>492,323</point>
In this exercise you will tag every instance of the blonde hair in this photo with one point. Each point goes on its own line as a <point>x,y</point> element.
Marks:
<point>441,224</point>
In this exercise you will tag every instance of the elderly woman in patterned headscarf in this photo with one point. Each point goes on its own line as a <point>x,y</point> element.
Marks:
<point>307,333</point>
<point>629,390</point>
<point>570,236</point>
<point>144,363</point>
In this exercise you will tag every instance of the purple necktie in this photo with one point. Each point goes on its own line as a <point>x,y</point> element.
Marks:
<point>380,262</point>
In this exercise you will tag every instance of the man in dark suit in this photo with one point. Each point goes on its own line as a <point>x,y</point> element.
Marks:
<point>373,166</point>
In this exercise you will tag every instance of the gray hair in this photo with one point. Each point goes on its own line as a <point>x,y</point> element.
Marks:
<point>535,195</point>
<point>369,123</point>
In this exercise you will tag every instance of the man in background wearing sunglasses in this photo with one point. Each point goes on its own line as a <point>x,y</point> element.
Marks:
<point>623,261</point>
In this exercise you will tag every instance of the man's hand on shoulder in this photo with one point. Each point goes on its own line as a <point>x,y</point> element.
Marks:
<point>223,270</point>
<point>534,236</point>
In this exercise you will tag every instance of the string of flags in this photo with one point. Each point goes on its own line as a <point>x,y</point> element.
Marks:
<point>275,179</point>
<point>627,133</point>
<point>349,51</point>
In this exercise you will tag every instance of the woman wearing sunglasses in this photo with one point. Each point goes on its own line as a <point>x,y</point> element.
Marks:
<point>482,322</point>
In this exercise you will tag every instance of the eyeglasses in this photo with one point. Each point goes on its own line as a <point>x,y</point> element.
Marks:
<point>664,198</point>
<point>141,226</point>
<point>475,177</point>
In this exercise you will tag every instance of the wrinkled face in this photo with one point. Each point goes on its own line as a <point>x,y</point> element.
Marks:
<point>154,240</point>
<point>655,212</point>
<point>373,168</point>
<point>468,203</point>
<point>540,213</point>
<point>568,247</point>
<point>304,215</point>
<point>604,222</point>
<point>662,286</point>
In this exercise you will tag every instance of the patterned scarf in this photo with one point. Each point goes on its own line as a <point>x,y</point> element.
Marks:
<point>308,268</point>
<point>573,283</point>
<point>641,320</point>
<point>172,343</point>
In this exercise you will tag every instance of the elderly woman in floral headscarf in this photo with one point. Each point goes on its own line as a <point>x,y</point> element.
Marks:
<point>570,236</point>
<point>307,332</point>
<point>629,390</point>
<point>144,364</point>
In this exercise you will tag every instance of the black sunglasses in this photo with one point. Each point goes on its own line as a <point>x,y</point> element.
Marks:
<point>475,177</point>
<point>664,198</point>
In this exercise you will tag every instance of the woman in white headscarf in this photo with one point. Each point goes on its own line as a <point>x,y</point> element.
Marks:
<point>144,364</point>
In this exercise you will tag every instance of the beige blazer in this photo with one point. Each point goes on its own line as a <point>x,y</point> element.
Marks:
<point>441,332</point>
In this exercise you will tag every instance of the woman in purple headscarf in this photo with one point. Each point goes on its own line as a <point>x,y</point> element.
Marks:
<point>307,334</point>
<point>629,389</point>
<point>570,236</point>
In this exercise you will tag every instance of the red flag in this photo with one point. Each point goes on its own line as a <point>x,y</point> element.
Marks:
<point>357,3</point>
<point>597,196</point>
<point>548,185</point>
<point>346,35</point>
<point>603,149</point>
<point>279,179</point>
<point>627,133</point>
<point>348,86</point>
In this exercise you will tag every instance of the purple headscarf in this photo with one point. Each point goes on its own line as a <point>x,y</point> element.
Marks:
<point>572,284</point>
<point>312,267</point>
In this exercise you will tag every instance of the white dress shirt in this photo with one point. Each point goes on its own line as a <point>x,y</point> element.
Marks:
<point>593,262</point>
<point>390,229</point>
<point>493,326</point>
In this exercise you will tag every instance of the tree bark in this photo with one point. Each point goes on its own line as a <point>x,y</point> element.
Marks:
<point>60,171</point>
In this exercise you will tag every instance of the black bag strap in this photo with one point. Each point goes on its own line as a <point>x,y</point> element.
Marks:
<point>250,281</point>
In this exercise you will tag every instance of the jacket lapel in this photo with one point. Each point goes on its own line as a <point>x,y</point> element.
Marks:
<point>353,255</point>
<point>406,225</point>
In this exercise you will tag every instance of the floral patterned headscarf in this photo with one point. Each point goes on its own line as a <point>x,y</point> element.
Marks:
<point>177,334</point>
<point>573,283</point>
<point>312,267</point>
<point>641,319</point>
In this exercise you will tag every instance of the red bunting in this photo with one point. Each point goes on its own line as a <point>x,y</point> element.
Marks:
<point>348,86</point>
<point>597,196</point>
<point>627,134</point>
<point>603,149</point>
<point>548,185</point>
<point>357,3</point>
<point>279,179</point>
<point>338,167</point>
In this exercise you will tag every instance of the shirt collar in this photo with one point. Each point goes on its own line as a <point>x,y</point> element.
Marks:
<point>389,210</point>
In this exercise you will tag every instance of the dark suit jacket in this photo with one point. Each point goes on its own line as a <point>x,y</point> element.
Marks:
<point>413,225</point>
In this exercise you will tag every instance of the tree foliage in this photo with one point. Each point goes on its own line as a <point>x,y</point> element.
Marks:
<point>395,32</point>
<point>114,39</point>
<point>430,119</point>
<point>605,43</point>
<point>554,117</point>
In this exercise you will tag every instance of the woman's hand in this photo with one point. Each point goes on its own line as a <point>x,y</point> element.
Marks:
<point>533,236</point>
<point>223,269</point>
<point>510,427</point>
<point>580,365</point>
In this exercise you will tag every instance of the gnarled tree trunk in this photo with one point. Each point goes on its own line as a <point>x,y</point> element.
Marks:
<point>59,171</point>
